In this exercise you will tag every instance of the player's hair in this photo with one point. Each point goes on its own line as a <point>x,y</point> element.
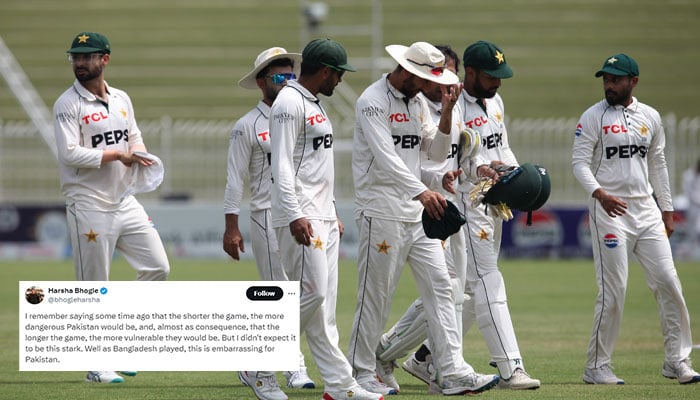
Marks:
<point>310,69</point>
<point>280,62</point>
<point>449,53</point>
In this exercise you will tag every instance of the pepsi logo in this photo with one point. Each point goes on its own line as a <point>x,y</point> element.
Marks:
<point>546,230</point>
<point>610,241</point>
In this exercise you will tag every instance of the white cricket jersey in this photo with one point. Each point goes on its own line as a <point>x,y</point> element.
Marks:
<point>491,127</point>
<point>302,157</point>
<point>249,157</point>
<point>390,132</point>
<point>85,126</point>
<point>621,149</point>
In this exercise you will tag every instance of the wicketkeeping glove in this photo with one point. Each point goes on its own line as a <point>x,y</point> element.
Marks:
<point>469,146</point>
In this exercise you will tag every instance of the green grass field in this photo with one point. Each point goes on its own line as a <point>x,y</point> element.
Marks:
<point>551,303</point>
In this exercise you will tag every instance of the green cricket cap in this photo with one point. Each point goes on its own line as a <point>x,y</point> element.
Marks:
<point>448,225</point>
<point>326,52</point>
<point>90,42</point>
<point>487,57</point>
<point>620,65</point>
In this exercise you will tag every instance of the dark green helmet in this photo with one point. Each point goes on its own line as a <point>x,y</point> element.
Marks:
<point>519,188</point>
<point>544,190</point>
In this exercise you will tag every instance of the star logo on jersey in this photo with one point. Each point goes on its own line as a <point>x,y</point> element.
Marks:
<point>83,38</point>
<point>318,243</point>
<point>612,60</point>
<point>483,235</point>
<point>91,236</point>
<point>383,247</point>
<point>500,57</point>
<point>644,130</point>
<point>123,112</point>
<point>499,117</point>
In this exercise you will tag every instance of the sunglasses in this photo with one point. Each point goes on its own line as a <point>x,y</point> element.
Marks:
<point>279,79</point>
<point>84,57</point>
<point>437,71</point>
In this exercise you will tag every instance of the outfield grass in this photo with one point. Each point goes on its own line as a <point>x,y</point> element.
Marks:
<point>551,303</point>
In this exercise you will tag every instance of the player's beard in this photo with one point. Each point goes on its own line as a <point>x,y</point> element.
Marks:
<point>328,86</point>
<point>480,92</point>
<point>85,73</point>
<point>621,97</point>
<point>271,92</point>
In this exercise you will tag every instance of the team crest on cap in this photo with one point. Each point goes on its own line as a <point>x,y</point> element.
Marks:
<point>612,60</point>
<point>83,38</point>
<point>500,57</point>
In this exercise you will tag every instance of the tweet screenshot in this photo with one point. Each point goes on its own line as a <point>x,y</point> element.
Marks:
<point>158,326</point>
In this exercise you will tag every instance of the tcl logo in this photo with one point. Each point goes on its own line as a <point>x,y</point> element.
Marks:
<point>264,135</point>
<point>110,138</point>
<point>316,119</point>
<point>478,121</point>
<point>399,117</point>
<point>325,140</point>
<point>626,151</point>
<point>94,117</point>
<point>406,141</point>
<point>614,129</point>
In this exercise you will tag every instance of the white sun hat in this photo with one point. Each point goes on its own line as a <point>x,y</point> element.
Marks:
<point>263,60</point>
<point>423,60</point>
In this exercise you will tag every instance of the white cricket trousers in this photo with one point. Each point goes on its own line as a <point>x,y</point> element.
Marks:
<point>385,246</point>
<point>316,268</point>
<point>267,259</point>
<point>96,234</point>
<point>265,247</point>
<point>640,231</point>
<point>487,288</point>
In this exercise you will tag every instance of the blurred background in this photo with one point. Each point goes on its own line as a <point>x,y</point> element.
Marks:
<point>180,62</point>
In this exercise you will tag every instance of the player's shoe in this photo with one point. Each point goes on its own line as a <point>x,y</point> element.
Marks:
<point>385,373</point>
<point>518,381</point>
<point>128,373</point>
<point>103,377</point>
<point>682,370</point>
<point>264,387</point>
<point>422,370</point>
<point>469,384</point>
<point>374,386</point>
<point>299,379</point>
<point>354,393</point>
<point>602,375</point>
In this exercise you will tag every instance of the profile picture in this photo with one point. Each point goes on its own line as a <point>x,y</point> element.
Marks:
<point>34,295</point>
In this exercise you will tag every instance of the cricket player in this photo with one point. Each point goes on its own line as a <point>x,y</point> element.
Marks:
<point>412,328</point>
<point>249,158</point>
<point>97,137</point>
<point>303,208</point>
<point>393,126</point>
<point>618,157</point>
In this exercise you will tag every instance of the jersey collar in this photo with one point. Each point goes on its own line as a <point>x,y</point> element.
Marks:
<point>304,91</point>
<point>88,95</point>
